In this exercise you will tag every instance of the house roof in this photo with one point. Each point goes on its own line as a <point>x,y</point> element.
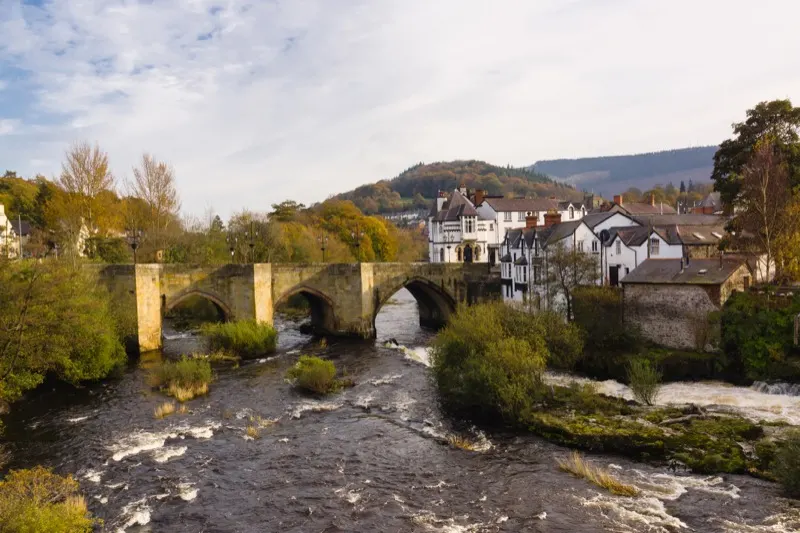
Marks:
<point>21,228</point>
<point>669,233</point>
<point>593,219</point>
<point>643,208</point>
<point>456,206</point>
<point>689,219</point>
<point>697,272</point>
<point>521,204</point>
<point>561,231</point>
<point>564,205</point>
<point>712,199</point>
<point>521,261</point>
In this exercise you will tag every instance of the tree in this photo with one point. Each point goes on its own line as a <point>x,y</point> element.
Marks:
<point>567,269</point>
<point>683,187</point>
<point>764,197</point>
<point>217,226</point>
<point>286,211</point>
<point>154,184</point>
<point>777,119</point>
<point>85,173</point>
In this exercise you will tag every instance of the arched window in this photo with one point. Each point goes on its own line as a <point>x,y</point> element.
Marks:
<point>458,254</point>
<point>571,212</point>
<point>441,255</point>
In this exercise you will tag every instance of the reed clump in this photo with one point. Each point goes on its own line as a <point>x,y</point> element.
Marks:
<point>578,466</point>
<point>184,379</point>
<point>165,409</point>
<point>247,338</point>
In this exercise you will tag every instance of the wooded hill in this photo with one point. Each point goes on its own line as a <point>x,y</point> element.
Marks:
<point>613,174</point>
<point>416,187</point>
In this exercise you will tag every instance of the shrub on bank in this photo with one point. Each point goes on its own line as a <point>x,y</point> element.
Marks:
<point>564,340</point>
<point>787,464</point>
<point>38,500</point>
<point>644,380</point>
<point>183,379</point>
<point>315,375</point>
<point>483,371</point>
<point>247,338</point>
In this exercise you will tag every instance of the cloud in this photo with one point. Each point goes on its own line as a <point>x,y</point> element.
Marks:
<point>8,126</point>
<point>256,102</point>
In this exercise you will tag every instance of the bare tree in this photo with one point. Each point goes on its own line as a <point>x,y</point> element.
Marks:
<point>568,268</point>
<point>85,174</point>
<point>154,184</point>
<point>765,197</point>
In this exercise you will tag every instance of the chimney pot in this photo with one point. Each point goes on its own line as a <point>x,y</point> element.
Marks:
<point>531,221</point>
<point>652,199</point>
<point>480,194</point>
<point>551,218</point>
<point>618,199</point>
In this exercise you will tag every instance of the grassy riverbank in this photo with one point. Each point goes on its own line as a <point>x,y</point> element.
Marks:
<point>488,365</point>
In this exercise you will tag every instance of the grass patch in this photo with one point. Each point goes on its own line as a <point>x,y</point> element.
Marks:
<point>218,356</point>
<point>644,380</point>
<point>39,500</point>
<point>184,379</point>
<point>315,375</point>
<point>261,422</point>
<point>246,338</point>
<point>165,409</point>
<point>462,443</point>
<point>253,432</point>
<point>576,465</point>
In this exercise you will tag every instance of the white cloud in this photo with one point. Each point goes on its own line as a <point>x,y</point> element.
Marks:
<point>8,126</point>
<point>307,98</point>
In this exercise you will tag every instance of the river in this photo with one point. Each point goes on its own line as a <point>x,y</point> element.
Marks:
<point>369,459</point>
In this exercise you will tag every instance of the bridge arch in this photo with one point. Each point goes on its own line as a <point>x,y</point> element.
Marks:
<point>434,301</point>
<point>168,303</point>
<point>323,314</point>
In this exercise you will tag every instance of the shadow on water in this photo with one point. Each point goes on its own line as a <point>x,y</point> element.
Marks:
<point>368,459</point>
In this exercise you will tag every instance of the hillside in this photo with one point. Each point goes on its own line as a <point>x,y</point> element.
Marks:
<point>416,187</point>
<point>614,174</point>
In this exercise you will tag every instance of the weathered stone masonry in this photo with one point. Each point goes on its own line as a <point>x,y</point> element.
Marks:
<point>344,298</point>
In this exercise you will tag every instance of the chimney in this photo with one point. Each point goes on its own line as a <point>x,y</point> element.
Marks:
<point>531,221</point>
<point>618,199</point>
<point>551,218</point>
<point>652,199</point>
<point>462,189</point>
<point>479,195</point>
<point>440,200</point>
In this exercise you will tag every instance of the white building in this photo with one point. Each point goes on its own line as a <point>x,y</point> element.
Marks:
<point>9,241</point>
<point>456,231</point>
<point>516,213</point>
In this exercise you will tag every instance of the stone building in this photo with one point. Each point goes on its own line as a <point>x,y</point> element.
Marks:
<point>669,300</point>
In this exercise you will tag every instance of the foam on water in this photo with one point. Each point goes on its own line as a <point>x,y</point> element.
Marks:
<point>428,521</point>
<point>635,514</point>
<point>385,380</point>
<point>313,407</point>
<point>143,441</point>
<point>788,522</point>
<point>93,475</point>
<point>187,492</point>
<point>165,454</point>
<point>134,514</point>
<point>77,419</point>
<point>749,402</point>
<point>418,354</point>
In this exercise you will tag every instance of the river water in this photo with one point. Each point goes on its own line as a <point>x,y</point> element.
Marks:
<point>370,459</point>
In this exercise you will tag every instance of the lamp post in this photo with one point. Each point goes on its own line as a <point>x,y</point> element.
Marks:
<point>251,235</point>
<point>323,244</point>
<point>356,235</point>
<point>232,241</point>
<point>134,235</point>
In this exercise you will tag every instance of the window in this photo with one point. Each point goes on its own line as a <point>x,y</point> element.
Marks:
<point>491,227</point>
<point>580,245</point>
<point>458,254</point>
<point>441,255</point>
<point>594,246</point>
<point>627,271</point>
<point>469,224</point>
<point>619,247</point>
<point>571,212</point>
<point>507,216</point>
<point>654,244</point>
<point>524,275</point>
<point>521,216</point>
<point>536,278</point>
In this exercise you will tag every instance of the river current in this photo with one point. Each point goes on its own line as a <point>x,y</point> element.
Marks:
<point>373,458</point>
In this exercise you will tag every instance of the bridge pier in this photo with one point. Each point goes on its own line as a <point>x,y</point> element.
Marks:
<point>344,298</point>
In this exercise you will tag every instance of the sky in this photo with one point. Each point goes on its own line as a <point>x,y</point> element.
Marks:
<point>255,102</point>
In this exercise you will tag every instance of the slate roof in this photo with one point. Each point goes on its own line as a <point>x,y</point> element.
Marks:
<point>697,272</point>
<point>671,234</point>
<point>456,206</point>
<point>561,231</point>
<point>688,219</point>
<point>25,226</point>
<point>643,208</point>
<point>521,204</point>
<point>593,219</point>
<point>712,199</point>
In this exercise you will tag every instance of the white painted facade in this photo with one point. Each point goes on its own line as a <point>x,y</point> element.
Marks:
<point>625,258</point>
<point>9,242</point>
<point>456,232</point>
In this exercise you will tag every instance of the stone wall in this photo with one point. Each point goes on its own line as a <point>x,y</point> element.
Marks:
<point>669,315</point>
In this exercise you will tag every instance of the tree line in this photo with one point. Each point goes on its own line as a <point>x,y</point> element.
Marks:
<point>87,211</point>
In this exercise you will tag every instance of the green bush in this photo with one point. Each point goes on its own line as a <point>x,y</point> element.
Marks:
<point>313,374</point>
<point>787,464</point>
<point>644,380</point>
<point>37,500</point>
<point>54,319</point>
<point>481,371</point>
<point>183,379</point>
<point>247,338</point>
<point>757,337</point>
<point>564,340</point>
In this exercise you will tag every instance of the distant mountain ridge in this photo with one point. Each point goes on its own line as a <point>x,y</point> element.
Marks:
<point>614,174</point>
<point>416,187</point>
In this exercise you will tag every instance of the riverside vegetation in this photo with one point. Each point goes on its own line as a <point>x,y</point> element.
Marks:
<point>246,338</point>
<point>489,363</point>
<point>315,375</point>
<point>184,379</point>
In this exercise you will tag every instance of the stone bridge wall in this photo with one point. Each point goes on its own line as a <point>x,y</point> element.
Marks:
<point>344,298</point>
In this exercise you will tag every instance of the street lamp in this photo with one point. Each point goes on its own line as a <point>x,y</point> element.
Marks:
<point>323,243</point>
<point>134,235</point>
<point>232,241</point>
<point>356,235</point>
<point>251,235</point>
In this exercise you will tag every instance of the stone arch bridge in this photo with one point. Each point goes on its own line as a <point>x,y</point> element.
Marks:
<point>344,298</point>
